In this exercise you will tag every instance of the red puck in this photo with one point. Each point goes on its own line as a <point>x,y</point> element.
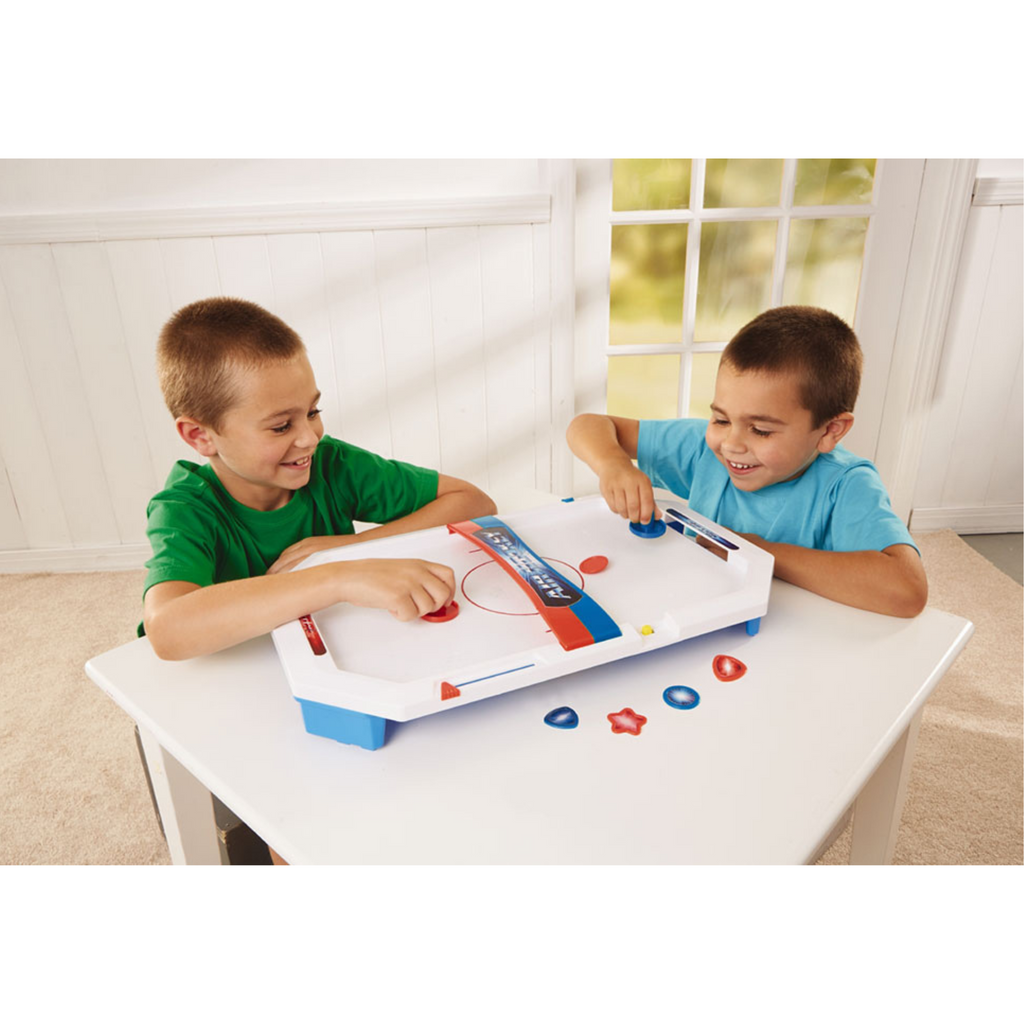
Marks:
<point>445,614</point>
<point>596,563</point>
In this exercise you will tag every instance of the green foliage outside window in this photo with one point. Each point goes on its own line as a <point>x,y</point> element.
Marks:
<point>648,265</point>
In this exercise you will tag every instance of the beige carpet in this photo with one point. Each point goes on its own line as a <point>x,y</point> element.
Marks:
<point>72,790</point>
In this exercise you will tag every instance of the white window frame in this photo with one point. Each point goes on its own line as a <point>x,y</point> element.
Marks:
<point>695,217</point>
<point>917,219</point>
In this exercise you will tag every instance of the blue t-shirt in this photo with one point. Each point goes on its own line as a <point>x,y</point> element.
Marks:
<point>838,503</point>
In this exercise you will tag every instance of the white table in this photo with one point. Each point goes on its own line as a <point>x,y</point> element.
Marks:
<point>758,773</point>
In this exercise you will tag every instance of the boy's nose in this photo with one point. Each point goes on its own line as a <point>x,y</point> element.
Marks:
<point>734,442</point>
<point>309,437</point>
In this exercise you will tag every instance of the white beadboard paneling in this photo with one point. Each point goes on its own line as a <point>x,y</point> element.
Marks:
<point>145,305</point>
<point>95,322</point>
<point>432,345</point>
<point>542,404</point>
<point>297,269</point>
<point>354,313</point>
<point>990,380</point>
<point>243,266</point>
<point>403,283</point>
<point>454,258</point>
<point>507,287</point>
<point>190,270</point>
<point>23,447</point>
<point>12,533</point>
<point>1006,485</point>
<point>958,350</point>
<point>37,310</point>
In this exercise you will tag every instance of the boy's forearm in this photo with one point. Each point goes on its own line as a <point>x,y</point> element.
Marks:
<point>454,507</point>
<point>873,580</point>
<point>212,618</point>
<point>594,439</point>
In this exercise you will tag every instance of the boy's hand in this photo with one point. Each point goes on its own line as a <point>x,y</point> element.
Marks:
<point>608,444</point>
<point>295,553</point>
<point>628,492</point>
<point>406,587</point>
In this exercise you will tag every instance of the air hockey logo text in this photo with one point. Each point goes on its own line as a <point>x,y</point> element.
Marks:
<point>554,591</point>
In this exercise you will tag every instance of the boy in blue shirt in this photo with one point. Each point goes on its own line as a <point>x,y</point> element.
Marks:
<point>275,489</point>
<point>768,465</point>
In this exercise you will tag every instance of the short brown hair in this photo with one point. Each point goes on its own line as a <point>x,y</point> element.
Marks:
<point>202,345</point>
<point>814,343</point>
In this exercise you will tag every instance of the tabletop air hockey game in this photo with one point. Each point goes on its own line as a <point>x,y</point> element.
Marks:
<point>540,593</point>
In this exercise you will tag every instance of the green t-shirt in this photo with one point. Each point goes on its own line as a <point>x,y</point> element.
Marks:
<point>202,535</point>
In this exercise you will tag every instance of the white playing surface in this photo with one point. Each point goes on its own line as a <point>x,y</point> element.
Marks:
<point>379,665</point>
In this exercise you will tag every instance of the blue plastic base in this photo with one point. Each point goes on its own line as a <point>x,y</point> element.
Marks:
<point>753,625</point>
<point>345,726</point>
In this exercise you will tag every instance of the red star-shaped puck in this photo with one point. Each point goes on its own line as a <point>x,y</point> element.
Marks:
<point>627,720</point>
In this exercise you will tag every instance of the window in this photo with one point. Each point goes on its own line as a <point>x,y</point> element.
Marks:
<point>700,247</point>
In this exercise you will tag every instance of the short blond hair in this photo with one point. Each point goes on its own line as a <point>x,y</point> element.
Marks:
<point>205,342</point>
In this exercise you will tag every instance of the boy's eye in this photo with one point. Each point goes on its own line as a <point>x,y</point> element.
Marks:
<point>720,422</point>
<point>761,433</point>
<point>312,414</point>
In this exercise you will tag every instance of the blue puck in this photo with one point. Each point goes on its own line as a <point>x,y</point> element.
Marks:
<point>655,528</point>
<point>682,697</point>
<point>562,718</point>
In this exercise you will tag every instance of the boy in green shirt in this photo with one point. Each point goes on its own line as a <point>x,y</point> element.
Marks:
<point>275,490</point>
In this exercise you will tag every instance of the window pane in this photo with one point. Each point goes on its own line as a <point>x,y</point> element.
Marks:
<point>735,279</point>
<point>742,183</point>
<point>643,387</point>
<point>647,266</point>
<point>833,182</point>
<point>703,372</point>
<point>824,262</point>
<point>650,184</point>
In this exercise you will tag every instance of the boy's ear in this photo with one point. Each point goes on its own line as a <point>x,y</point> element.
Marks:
<point>195,435</point>
<point>835,430</point>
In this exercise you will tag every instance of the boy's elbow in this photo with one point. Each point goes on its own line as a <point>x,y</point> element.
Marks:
<point>163,645</point>
<point>910,599</point>
<point>915,601</point>
<point>480,503</point>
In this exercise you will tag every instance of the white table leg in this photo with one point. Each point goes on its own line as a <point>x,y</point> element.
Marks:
<point>877,812</point>
<point>186,808</point>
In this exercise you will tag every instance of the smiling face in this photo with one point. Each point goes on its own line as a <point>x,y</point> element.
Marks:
<point>263,450</point>
<point>761,432</point>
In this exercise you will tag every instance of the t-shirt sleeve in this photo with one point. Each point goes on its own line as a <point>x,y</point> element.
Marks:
<point>380,489</point>
<point>668,452</point>
<point>182,537</point>
<point>862,518</point>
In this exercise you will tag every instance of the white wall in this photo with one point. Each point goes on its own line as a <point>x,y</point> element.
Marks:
<point>971,477</point>
<point>436,298</point>
<point>430,333</point>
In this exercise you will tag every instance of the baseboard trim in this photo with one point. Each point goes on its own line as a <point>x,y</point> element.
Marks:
<point>98,559</point>
<point>977,519</point>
